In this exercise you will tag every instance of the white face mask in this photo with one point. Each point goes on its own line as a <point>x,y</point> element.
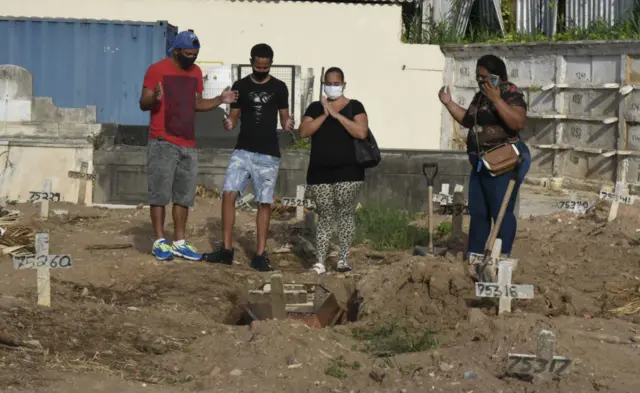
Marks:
<point>333,92</point>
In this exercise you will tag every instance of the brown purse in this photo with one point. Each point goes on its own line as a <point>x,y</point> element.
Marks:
<point>499,159</point>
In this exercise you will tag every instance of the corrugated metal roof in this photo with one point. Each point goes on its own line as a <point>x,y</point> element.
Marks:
<point>537,16</point>
<point>540,16</point>
<point>440,10</point>
<point>492,13</point>
<point>581,13</point>
<point>80,62</point>
<point>489,10</point>
<point>463,17</point>
<point>334,1</point>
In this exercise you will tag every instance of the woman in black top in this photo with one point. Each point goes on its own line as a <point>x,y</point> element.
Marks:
<point>334,177</point>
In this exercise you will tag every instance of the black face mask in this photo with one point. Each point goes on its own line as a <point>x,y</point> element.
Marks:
<point>186,62</point>
<point>260,76</point>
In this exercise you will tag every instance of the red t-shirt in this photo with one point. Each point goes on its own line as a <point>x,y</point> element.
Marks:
<point>174,116</point>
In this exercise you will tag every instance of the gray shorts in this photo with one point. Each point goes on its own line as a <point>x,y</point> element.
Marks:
<point>172,171</point>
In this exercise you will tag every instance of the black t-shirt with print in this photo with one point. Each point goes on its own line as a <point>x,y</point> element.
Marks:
<point>494,130</point>
<point>259,104</point>
<point>333,156</point>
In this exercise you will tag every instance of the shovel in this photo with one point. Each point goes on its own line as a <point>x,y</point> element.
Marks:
<point>430,170</point>
<point>485,271</point>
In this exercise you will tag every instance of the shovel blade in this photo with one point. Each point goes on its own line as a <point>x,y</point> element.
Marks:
<point>424,251</point>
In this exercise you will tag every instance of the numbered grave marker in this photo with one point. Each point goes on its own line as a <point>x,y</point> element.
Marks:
<point>616,198</point>
<point>43,262</point>
<point>244,202</point>
<point>83,176</point>
<point>448,204</point>
<point>21,262</point>
<point>40,196</point>
<point>299,202</point>
<point>543,364</point>
<point>578,207</point>
<point>44,206</point>
<point>503,289</point>
<point>521,364</point>
<point>510,291</point>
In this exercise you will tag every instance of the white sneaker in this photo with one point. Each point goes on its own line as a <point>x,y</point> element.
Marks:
<point>319,268</point>
<point>343,266</point>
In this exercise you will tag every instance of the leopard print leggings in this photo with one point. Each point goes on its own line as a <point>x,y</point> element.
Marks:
<point>335,200</point>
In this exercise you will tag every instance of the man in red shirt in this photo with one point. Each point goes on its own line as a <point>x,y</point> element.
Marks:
<point>172,92</point>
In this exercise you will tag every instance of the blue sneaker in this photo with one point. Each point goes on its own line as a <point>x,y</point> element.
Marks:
<point>162,250</point>
<point>186,251</point>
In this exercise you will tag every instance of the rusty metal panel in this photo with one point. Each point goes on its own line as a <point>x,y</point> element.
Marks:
<point>592,102</point>
<point>536,16</point>
<point>589,134</point>
<point>580,13</point>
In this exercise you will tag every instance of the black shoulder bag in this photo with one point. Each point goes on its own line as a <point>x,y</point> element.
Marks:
<point>367,151</point>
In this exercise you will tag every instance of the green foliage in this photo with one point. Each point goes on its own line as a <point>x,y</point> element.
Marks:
<point>429,31</point>
<point>300,144</point>
<point>444,229</point>
<point>337,366</point>
<point>388,228</point>
<point>395,337</point>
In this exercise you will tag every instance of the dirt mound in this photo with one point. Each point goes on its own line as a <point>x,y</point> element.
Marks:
<point>575,260</point>
<point>429,290</point>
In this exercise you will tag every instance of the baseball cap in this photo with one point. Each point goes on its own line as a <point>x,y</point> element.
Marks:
<point>185,40</point>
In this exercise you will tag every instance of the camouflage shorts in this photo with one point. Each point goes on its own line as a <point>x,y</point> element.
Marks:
<point>262,169</point>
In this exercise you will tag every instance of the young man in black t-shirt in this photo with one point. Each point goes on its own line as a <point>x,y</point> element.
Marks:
<point>257,153</point>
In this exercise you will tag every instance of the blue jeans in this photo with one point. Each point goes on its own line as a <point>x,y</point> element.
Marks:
<point>485,197</point>
<point>262,169</point>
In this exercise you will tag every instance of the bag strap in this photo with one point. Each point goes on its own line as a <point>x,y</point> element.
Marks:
<point>475,123</point>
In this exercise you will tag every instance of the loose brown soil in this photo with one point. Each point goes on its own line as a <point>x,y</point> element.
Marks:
<point>121,321</point>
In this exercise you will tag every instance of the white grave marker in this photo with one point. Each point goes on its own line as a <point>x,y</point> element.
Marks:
<point>616,197</point>
<point>43,262</point>
<point>446,200</point>
<point>244,202</point>
<point>299,202</point>
<point>503,289</point>
<point>543,363</point>
<point>83,176</point>
<point>44,207</point>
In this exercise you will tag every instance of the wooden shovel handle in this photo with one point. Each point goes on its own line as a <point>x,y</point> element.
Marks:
<point>498,223</point>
